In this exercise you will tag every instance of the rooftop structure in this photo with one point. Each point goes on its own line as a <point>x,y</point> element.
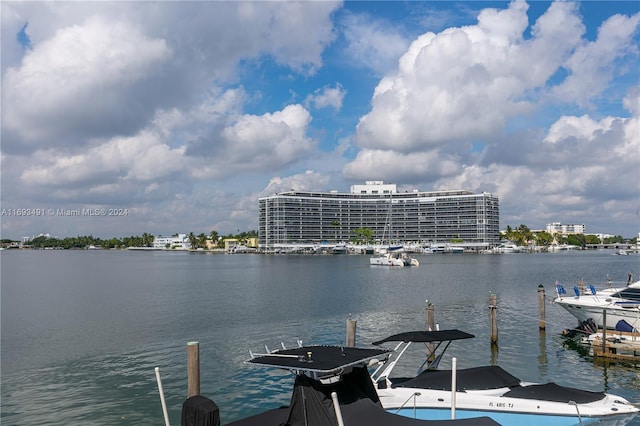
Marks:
<point>302,217</point>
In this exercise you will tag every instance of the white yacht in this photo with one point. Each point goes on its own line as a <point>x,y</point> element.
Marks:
<point>617,304</point>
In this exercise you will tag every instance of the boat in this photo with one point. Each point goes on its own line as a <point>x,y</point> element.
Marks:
<point>488,390</point>
<point>332,387</point>
<point>385,259</point>
<point>339,249</point>
<point>616,304</point>
<point>393,255</point>
<point>507,247</point>
<point>393,258</point>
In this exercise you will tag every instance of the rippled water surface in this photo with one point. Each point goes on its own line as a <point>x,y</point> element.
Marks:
<point>82,331</point>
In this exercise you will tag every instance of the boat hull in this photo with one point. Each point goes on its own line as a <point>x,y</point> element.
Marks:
<point>614,313</point>
<point>433,404</point>
<point>385,261</point>
<point>520,419</point>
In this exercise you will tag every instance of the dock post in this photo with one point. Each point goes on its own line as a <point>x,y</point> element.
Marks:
<point>604,332</point>
<point>542,323</point>
<point>193,369</point>
<point>493,318</point>
<point>351,332</point>
<point>431,326</point>
<point>431,318</point>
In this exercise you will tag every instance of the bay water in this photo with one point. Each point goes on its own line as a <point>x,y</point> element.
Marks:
<point>82,331</point>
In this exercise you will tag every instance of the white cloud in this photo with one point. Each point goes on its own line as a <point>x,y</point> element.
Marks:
<point>256,143</point>
<point>374,43</point>
<point>465,83</point>
<point>141,158</point>
<point>400,167</point>
<point>327,97</point>
<point>79,79</point>
<point>592,65</point>
<point>307,181</point>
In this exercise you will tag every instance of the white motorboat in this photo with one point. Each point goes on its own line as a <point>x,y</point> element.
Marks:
<point>393,258</point>
<point>616,304</point>
<point>489,390</point>
<point>332,387</point>
<point>507,247</point>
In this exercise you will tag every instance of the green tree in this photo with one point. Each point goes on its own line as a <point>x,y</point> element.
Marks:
<point>543,238</point>
<point>202,240</point>
<point>193,240</point>
<point>576,240</point>
<point>147,240</point>
<point>363,235</point>
<point>215,238</point>
<point>591,239</point>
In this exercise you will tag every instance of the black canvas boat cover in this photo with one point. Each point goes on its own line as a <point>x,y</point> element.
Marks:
<point>318,359</point>
<point>426,336</point>
<point>311,405</point>
<point>479,378</point>
<point>556,393</point>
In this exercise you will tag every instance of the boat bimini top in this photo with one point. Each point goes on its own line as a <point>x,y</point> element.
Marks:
<point>440,338</point>
<point>318,361</point>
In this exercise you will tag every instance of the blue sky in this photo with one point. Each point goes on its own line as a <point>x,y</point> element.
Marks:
<point>185,113</point>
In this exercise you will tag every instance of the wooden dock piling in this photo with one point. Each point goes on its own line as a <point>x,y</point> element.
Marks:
<point>431,318</point>
<point>431,326</point>
<point>351,332</point>
<point>542,323</point>
<point>193,369</point>
<point>493,318</point>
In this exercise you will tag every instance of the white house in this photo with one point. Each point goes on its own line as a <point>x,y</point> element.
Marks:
<point>179,242</point>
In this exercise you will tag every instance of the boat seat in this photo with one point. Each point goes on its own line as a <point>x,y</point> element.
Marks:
<point>576,290</point>
<point>593,289</point>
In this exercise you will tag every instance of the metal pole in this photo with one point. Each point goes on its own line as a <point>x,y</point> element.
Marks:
<point>454,388</point>
<point>336,407</point>
<point>162,400</point>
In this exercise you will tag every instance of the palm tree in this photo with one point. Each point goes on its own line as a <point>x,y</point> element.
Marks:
<point>202,240</point>
<point>215,238</point>
<point>193,240</point>
<point>147,240</point>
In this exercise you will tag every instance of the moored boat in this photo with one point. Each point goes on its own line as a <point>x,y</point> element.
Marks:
<point>486,390</point>
<point>332,387</point>
<point>393,258</point>
<point>616,304</point>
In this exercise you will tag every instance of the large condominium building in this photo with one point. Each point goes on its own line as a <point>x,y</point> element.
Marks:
<point>300,217</point>
<point>564,229</point>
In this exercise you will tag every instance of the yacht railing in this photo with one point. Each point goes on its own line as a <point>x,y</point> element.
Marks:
<point>414,395</point>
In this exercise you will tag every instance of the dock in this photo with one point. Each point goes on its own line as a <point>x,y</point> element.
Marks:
<point>618,345</point>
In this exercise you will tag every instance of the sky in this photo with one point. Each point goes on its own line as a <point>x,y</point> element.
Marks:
<point>176,117</point>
